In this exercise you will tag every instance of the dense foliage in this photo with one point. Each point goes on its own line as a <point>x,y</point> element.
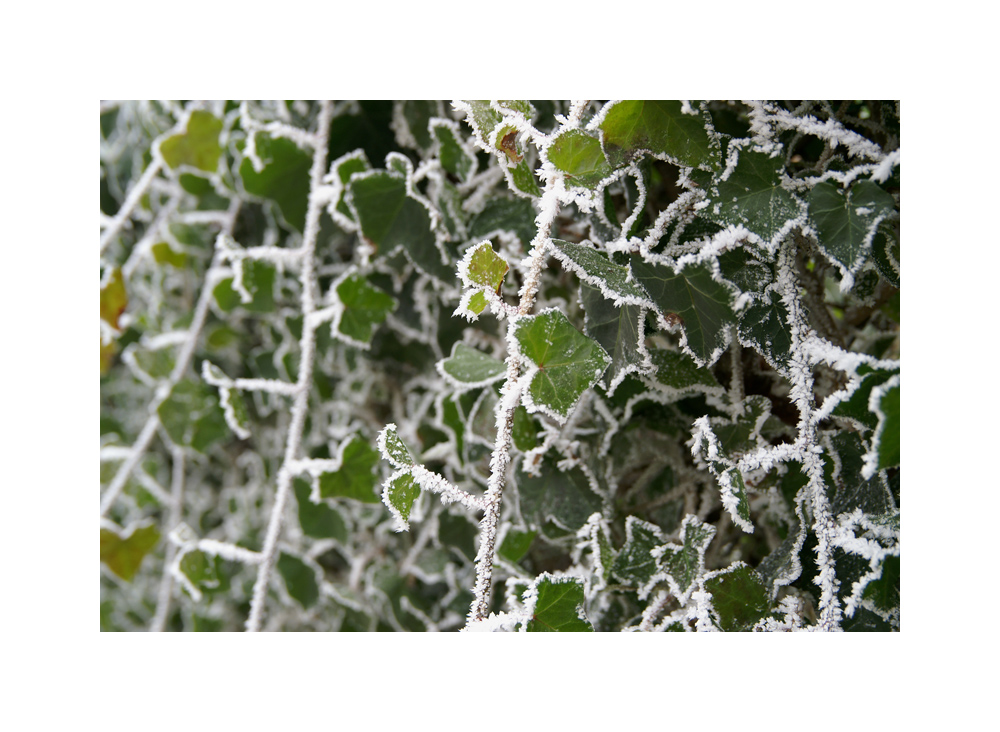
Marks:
<point>500,365</point>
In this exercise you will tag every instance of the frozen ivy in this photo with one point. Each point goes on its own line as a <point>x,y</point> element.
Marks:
<point>500,366</point>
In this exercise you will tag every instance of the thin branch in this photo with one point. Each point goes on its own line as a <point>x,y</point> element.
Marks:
<point>306,348</point>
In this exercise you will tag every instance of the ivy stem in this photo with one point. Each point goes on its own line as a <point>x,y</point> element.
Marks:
<point>510,397</point>
<point>307,346</point>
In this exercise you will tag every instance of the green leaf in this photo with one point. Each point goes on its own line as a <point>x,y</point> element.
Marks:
<point>393,449</point>
<point>234,409</point>
<point>524,431</point>
<point>318,520</point>
<point>846,221</point>
<point>753,197</point>
<point>565,498</point>
<point>191,415</point>
<point>683,564</point>
<point>468,367</point>
<point>198,146</point>
<point>888,428</point>
<point>635,565</point>
<point>483,267</point>
<point>113,298</point>
<point>300,579</point>
<point>677,374</point>
<point>558,605</point>
<point>284,178</point>
<point>201,570</point>
<point>578,154</point>
<point>364,307</point>
<point>593,268</point>
<point>739,597</point>
<point>856,408</point>
<point>763,326</point>
<point>258,280</point>
<point>123,553</point>
<point>854,490</point>
<point>163,254</point>
<point>568,362</point>
<point>399,494</point>
<point>703,305</point>
<point>356,477</point>
<point>455,158</point>
<point>389,217</point>
<point>523,179</point>
<point>344,167</point>
<point>661,128</point>
<point>417,114</point>
<point>515,544</point>
<point>617,330</point>
<point>515,215</point>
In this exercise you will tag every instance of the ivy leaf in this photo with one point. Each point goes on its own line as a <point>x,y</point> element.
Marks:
<point>564,497</point>
<point>400,491</point>
<point>568,363</point>
<point>201,571</point>
<point>468,368</point>
<point>343,168</point>
<point>752,197</point>
<point>355,478</point>
<point>122,553</point>
<point>703,306</point>
<point>683,564</point>
<point>300,579</point>
<point>617,330</point>
<point>739,597</point>
<point>198,146</point>
<point>417,115</point>
<point>886,405</point>
<point>661,128</point>
<point>516,544</point>
<point>454,156</point>
<point>257,281</point>
<point>318,520</point>
<point>847,221</point>
<point>393,449</point>
<point>635,565</point>
<point>595,269</point>
<point>284,178</point>
<point>763,326</point>
<point>856,408</point>
<point>364,307</point>
<point>191,415</point>
<point>578,154</point>
<point>557,605</point>
<point>483,267</point>
<point>390,217</point>
<point>676,374</point>
<point>114,299</point>
<point>514,215</point>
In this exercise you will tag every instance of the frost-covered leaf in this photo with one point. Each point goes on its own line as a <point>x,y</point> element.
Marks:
<point>198,146</point>
<point>676,373</point>
<point>399,493</point>
<point>855,490</point>
<point>342,169</point>
<point>515,215</point>
<point>568,363</point>
<point>114,299</point>
<point>578,154</point>
<point>191,415</point>
<point>885,403</point>
<point>753,197</point>
<point>515,544</point>
<point>393,449</point>
<point>356,477</point>
<point>706,446</point>
<point>524,431</point>
<point>454,156</point>
<point>763,326</point>
<point>300,579</point>
<point>617,329</point>
<point>164,254</point>
<point>284,179</point>
<point>596,270</point>
<point>742,434</point>
<point>234,409</point>
<point>364,307</point>
<point>416,116</point>
<point>738,596</point>
<point>702,305</point>
<point>683,564</point>
<point>662,128</point>
<point>847,221</point>
<point>557,604</point>
<point>566,498</point>
<point>200,572</point>
<point>635,565</point>
<point>483,267</point>
<point>469,368</point>
<point>856,408</point>
<point>318,520</point>
<point>390,217</point>
<point>257,281</point>
<point>122,553</point>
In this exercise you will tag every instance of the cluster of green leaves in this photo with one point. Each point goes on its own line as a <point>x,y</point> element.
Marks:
<point>719,303</point>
